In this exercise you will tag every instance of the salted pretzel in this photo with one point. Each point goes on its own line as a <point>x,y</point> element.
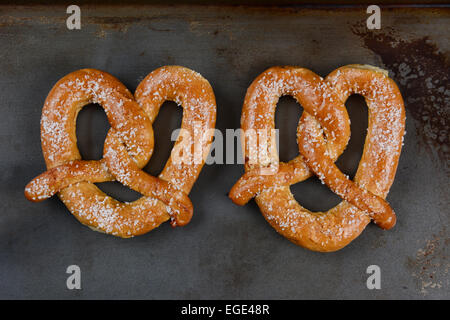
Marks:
<point>322,135</point>
<point>128,147</point>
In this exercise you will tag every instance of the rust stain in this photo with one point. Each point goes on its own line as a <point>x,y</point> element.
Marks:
<point>422,73</point>
<point>431,265</point>
<point>10,21</point>
<point>122,24</point>
<point>101,33</point>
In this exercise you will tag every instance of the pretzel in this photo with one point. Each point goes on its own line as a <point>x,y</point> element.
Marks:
<point>128,147</point>
<point>322,135</point>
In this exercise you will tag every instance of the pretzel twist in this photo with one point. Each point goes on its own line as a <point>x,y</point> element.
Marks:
<point>322,135</point>
<point>128,147</point>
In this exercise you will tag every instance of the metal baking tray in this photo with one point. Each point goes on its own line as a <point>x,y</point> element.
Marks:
<point>227,251</point>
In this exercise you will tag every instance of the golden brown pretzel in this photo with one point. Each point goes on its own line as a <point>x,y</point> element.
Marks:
<point>322,135</point>
<point>128,147</point>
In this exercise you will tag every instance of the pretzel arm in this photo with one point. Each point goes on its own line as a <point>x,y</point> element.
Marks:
<point>311,146</point>
<point>251,183</point>
<point>55,179</point>
<point>126,171</point>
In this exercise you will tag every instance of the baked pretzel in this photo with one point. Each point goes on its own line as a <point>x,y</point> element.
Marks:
<point>322,135</point>
<point>128,147</point>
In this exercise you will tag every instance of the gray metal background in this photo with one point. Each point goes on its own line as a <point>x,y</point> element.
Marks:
<point>226,251</point>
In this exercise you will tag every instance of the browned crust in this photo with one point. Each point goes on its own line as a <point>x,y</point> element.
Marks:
<point>128,147</point>
<point>322,135</point>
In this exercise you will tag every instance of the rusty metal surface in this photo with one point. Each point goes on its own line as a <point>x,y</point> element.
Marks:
<point>226,251</point>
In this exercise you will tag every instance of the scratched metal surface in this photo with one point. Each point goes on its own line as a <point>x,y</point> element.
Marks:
<point>226,251</point>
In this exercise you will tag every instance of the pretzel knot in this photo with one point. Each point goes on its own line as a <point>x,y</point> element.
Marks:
<point>128,147</point>
<point>322,135</point>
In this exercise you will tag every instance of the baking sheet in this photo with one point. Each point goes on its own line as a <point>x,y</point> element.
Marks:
<point>226,251</point>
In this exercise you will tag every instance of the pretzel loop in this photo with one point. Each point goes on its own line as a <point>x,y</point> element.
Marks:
<point>128,147</point>
<point>322,135</point>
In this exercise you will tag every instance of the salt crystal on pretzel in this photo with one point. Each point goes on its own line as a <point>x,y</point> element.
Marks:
<point>322,135</point>
<point>128,147</point>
